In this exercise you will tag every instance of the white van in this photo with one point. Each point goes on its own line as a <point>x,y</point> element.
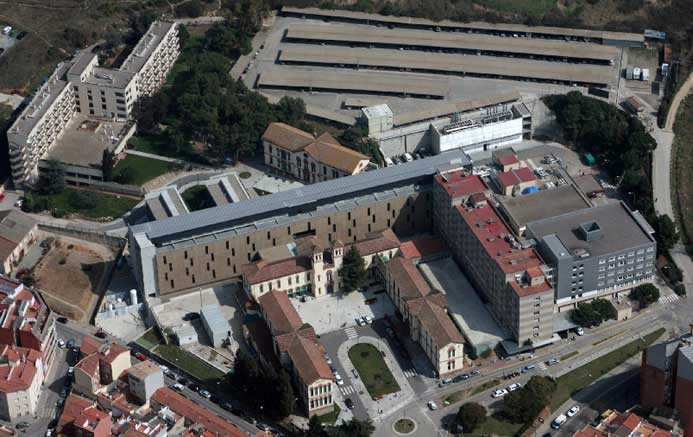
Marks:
<point>558,421</point>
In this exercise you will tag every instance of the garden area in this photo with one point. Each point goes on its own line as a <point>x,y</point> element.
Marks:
<point>188,362</point>
<point>682,171</point>
<point>371,367</point>
<point>87,204</point>
<point>136,170</point>
<point>197,198</point>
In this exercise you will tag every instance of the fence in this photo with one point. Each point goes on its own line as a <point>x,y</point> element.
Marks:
<point>84,234</point>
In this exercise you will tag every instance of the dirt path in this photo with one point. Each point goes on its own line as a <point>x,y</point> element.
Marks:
<point>678,98</point>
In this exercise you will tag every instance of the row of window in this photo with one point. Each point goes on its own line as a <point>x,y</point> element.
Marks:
<point>322,402</point>
<point>321,389</point>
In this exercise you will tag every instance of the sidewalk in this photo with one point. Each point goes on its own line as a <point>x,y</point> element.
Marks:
<point>166,158</point>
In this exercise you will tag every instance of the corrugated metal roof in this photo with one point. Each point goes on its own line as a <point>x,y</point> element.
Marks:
<point>298,200</point>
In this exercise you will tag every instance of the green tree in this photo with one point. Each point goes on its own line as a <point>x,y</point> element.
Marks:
<point>315,428</point>
<point>283,399</point>
<point>151,110</point>
<point>645,294</point>
<point>665,233</point>
<point>246,377</point>
<point>291,110</point>
<point>83,200</point>
<point>525,404</point>
<point>183,35</point>
<point>125,176</point>
<point>190,8</point>
<point>470,416</point>
<point>352,428</point>
<point>107,164</point>
<point>52,179</point>
<point>353,272</point>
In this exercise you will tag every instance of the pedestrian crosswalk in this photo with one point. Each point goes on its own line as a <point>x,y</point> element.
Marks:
<point>541,366</point>
<point>347,390</point>
<point>410,373</point>
<point>609,189</point>
<point>669,298</point>
<point>351,332</point>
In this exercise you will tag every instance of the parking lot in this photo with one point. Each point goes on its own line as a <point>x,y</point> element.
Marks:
<point>339,311</point>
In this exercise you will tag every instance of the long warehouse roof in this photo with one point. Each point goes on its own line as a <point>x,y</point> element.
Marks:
<point>452,108</point>
<point>354,81</point>
<point>303,198</point>
<point>451,63</point>
<point>496,27</point>
<point>348,33</point>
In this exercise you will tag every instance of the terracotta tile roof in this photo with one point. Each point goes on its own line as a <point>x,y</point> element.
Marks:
<point>261,271</point>
<point>516,176</point>
<point>326,150</point>
<point>459,183</point>
<point>23,309</point>
<point>75,407</point>
<point>14,227</point>
<point>195,413</point>
<point>411,283</point>
<point>385,240</point>
<point>430,311</point>
<point>89,365</point>
<point>284,340</point>
<point>287,137</point>
<point>421,247</point>
<point>113,351</point>
<point>18,369</point>
<point>282,316</point>
<point>507,160</point>
<point>308,360</point>
<point>90,345</point>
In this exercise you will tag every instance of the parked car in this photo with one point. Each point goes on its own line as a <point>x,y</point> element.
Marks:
<point>558,421</point>
<point>19,203</point>
<point>349,403</point>
<point>355,373</point>
<point>205,394</point>
<point>580,332</point>
<point>445,381</point>
<point>528,368</point>
<point>64,392</point>
<point>367,319</point>
<point>70,371</point>
<point>140,356</point>
<point>360,321</point>
<point>475,373</point>
<point>573,411</point>
<point>552,361</point>
<point>499,393</point>
<point>194,387</point>
<point>60,402</point>
<point>328,360</point>
<point>460,378</point>
<point>61,343</point>
<point>515,386</point>
<point>432,405</point>
<point>62,320</point>
<point>178,386</point>
<point>22,425</point>
<point>70,343</point>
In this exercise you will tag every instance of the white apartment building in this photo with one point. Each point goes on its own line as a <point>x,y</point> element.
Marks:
<point>81,87</point>
<point>21,378</point>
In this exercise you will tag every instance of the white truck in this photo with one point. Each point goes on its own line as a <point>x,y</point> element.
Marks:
<point>645,74</point>
<point>558,421</point>
<point>636,73</point>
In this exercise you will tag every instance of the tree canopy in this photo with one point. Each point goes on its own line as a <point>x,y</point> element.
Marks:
<point>470,416</point>
<point>665,232</point>
<point>645,294</point>
<point>593,313</point>
<point>352,428</point>
<point>353,272</point>
<point>525,404</point>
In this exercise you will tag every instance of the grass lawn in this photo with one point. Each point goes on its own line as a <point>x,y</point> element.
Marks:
<point>372,370</point>
<point>404,425</point>
<point>330,418</point>
<point>150,339</point>
<point>106,205</point>
<point>143,169</point>
<point>570,355</point>
<point>494,426</point>
<point>535,8</point>
<point>682,171</point>
<point>590,372</point>
<point>603,340</point>
<point>485,386</point>
<point>188,362</point>
<point>464,394</point>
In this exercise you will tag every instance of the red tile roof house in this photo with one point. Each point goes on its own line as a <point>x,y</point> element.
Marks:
<point>99,370</point>
<point>296,346</point>
<point>81,417</point>
<point>515,180</point>
<point>167,399</point>
<point>26,321</point>
<point>21,380</point>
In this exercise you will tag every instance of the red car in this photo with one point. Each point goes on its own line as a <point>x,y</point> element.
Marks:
<point>140,356</point>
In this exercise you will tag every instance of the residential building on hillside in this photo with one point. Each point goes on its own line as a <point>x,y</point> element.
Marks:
<point>82,417</point>
<point>307,267</point>
<point>26,321</point>
<point>425,312</point>
<point>21,382</point>
<point>144,379</point>
<point>296,346</point>
<point>171,256</point>
<point>296,153</point>
<point>511,277</point>
<point>84,101</point>
<point>666,378</point>
<point>17,234</point>
<point>623,424</point>
<point>595,252</point>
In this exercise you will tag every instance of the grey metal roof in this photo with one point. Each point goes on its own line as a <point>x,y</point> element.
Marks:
<point>542,204</point>
<point>298,200</point>
<point>620,229</point>
<point>215,319</point>
<point>685,363</point>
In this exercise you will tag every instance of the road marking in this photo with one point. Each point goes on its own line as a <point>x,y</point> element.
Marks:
<point>410,373</point>
<point>351,332</point>
<point>669,299</point>
<point>541,366</point>
<point>347,390</point>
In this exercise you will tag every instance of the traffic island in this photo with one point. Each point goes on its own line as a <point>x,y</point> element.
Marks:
<point>404,426</point>
<point>372,370</point>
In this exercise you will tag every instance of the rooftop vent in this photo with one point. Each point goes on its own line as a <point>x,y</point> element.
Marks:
<point>590,231</point>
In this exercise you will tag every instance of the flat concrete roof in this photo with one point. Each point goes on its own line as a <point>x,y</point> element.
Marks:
<point>542,204</point>
<point>146,46</point>
<point>84,147</point>
<point>109,77</point>
<point>445,109</point>
<point>449,63</point>
<point>356,34</point>
<point>366,82</point>
<point>464,305</point>
<point>621,229</point>
<point>319,112</point>
<point>500,27</point>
